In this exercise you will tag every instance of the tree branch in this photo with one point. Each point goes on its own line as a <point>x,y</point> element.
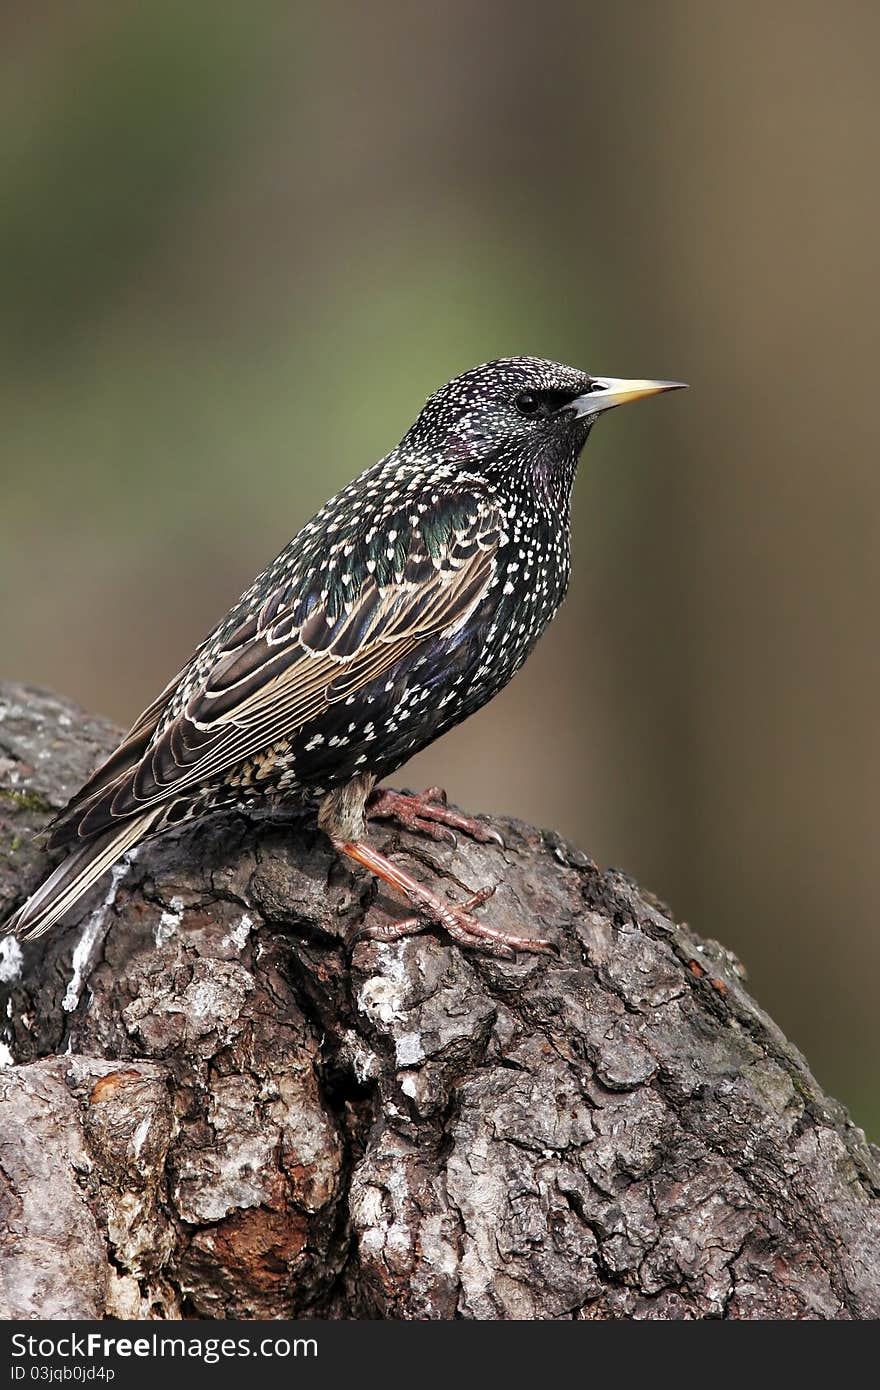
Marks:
<point>208,1110</point>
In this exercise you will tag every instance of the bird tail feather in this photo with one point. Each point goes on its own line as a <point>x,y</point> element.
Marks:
<point>75,875</point>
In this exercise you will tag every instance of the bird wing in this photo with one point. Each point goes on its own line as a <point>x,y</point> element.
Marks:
<point>277,673</point>
<point>121,760</point>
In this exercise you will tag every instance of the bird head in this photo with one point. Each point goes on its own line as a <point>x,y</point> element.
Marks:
<point>519,407</point>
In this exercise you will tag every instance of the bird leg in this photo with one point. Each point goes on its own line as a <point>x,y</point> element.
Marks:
<point>455,918</point>
<point>428,814</point>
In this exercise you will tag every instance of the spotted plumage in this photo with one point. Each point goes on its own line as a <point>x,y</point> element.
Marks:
<point>406,603</point>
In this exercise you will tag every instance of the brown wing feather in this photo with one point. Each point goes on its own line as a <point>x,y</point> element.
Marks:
<point>268,685</point>
<point>119,764</point>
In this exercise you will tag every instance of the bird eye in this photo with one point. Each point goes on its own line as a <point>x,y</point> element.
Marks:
<point>527,403</point>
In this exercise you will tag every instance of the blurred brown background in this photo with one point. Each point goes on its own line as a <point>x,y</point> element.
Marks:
<point>240,244</point>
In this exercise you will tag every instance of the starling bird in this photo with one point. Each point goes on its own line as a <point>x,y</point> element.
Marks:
<point>403,606</point>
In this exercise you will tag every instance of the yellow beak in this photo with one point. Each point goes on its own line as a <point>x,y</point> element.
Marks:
<point>609,391</point>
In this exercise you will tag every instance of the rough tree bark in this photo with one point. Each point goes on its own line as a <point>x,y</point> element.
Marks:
<point>208,1110</point>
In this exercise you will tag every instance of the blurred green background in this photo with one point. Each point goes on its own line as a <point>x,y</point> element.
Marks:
<point>240,244</point>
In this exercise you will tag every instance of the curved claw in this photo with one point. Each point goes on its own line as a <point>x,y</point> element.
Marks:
<point>429,814</point>
<point>354,937</point>
<point>480,896</point>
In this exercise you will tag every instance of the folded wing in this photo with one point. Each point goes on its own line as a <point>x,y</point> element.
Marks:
<point>279,672</point>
